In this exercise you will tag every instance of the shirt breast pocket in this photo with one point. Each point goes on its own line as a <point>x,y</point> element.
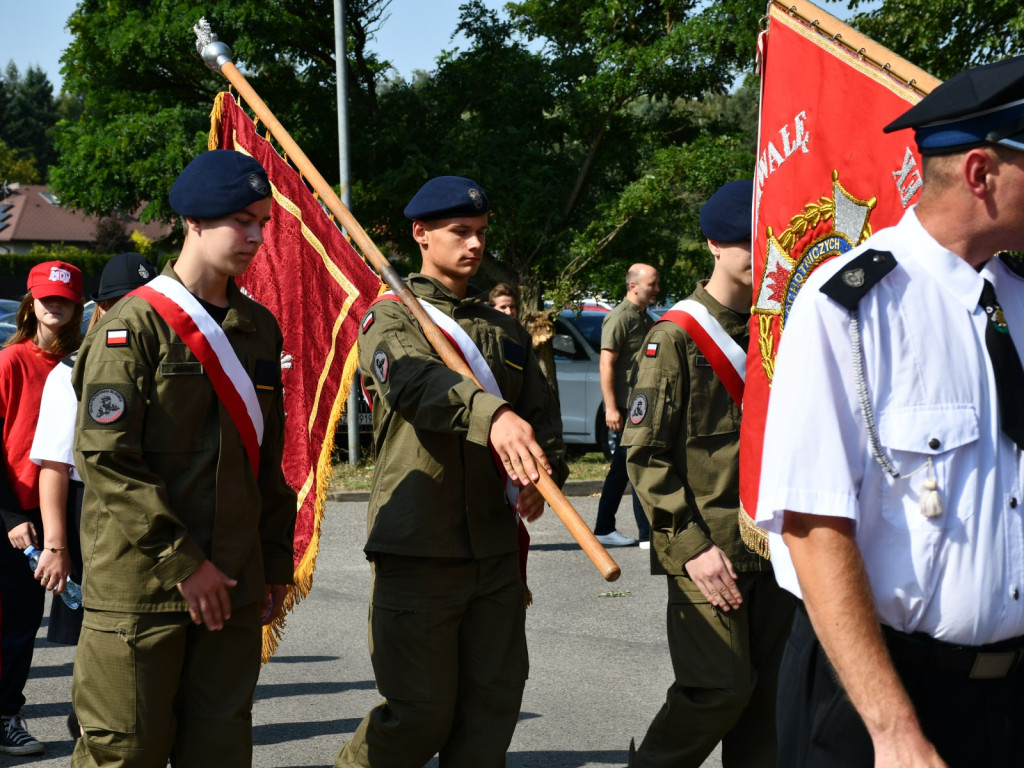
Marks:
<point>179,403</point>
<point>712,411</point>
<point>923,442</point>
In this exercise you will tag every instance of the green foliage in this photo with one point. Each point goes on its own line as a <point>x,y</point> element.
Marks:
<point>14,168</point>
<point>597,128</point>
<point>29,113</point>
<point>20,263</point>
<point>944,37</point>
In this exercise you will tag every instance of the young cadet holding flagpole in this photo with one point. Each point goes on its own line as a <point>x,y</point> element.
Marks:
<point>187,521</point>
<point>448,603</point>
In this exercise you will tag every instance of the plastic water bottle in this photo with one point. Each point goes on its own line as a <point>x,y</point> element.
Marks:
<point>72,594</point>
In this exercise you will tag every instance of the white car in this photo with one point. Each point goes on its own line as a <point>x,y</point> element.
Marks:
<point>577,347</point>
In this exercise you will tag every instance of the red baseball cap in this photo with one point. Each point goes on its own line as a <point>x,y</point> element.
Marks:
<point>55,278</point>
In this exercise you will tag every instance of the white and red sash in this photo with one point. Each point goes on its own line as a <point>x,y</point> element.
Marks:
<point>469,352</point>
<point>727,358</point>
<point>208,342</point>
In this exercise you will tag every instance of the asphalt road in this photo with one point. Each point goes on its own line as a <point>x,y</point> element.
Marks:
<point>599,665</point>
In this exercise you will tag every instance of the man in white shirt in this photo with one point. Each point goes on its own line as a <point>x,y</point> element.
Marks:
<point>893,485</point>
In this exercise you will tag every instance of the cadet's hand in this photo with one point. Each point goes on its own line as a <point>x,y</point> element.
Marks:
<point>529,503</point>
<point>23,536</point>
<point>905,748</point>
<point>613,418</point>
<point>512,439</point>
<point>713,574</point>
<point>53,568</point>
<point>272,602</point>
<point>206,591</point>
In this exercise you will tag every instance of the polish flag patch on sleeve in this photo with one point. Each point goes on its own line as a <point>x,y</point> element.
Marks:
<point>117,337</point>
<point>652,349</point>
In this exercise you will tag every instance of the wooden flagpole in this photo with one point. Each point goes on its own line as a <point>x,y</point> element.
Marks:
<point>218,56</point>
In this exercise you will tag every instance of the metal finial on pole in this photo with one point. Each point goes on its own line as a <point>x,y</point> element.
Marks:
<point>215,53</point>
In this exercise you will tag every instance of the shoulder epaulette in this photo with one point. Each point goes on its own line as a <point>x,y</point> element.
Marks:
<point>69,359</point>
<point>848,286</point>
<point>1014,262</point>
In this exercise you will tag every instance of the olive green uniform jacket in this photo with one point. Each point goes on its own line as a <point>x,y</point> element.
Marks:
<point>436,490</point>
<point>683,457</point>
<point>168,483</point>
<point>623,331</point>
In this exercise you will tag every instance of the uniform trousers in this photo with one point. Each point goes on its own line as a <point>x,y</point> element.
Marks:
<point>148,686</point>
<point>726,670</point>
<point>448,647</point>
<point>971,722</point>
<point>611,495</point>
<point>21,613</point>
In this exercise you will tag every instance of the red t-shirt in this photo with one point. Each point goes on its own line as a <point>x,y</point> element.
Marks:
<point>23,371</point>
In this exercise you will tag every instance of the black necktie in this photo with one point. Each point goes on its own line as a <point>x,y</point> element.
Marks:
<point>1006,366</point>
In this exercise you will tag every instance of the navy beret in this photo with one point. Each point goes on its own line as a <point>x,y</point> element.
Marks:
<point>446,197</point>
<point>982,105</point>
<point>217,183</point>
<point>123,274</point>
<point>726,215</point>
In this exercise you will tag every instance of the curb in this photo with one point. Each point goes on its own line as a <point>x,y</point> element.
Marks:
<point>571,488</point>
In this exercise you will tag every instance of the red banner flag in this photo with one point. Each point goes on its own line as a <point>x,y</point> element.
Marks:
<point>826,178</point>
<point>318,288</point>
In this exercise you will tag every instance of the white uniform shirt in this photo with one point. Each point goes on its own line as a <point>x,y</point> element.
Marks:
<point>958,577</point>
<point>55,433</point>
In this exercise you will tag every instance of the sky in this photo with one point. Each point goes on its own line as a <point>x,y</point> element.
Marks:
<point>32,33</point>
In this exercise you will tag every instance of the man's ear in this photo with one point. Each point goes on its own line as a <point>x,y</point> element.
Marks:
<point>976,168</point>
<point>419,232</point>
<point>715,247</point>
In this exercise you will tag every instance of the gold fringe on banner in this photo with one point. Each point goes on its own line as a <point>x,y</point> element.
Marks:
<point>755,538</point>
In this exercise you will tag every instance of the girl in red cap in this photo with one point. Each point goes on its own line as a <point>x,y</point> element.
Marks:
<point>49,326</point>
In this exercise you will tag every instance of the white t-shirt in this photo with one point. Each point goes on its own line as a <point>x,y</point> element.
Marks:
<point>55,433</point>
<point>958,577</point>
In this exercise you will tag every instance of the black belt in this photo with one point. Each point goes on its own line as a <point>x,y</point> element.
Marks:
<point>995,661</point>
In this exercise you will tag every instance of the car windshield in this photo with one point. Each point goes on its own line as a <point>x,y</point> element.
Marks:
<point>589,324</point>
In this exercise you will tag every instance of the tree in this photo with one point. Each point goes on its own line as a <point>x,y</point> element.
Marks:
<point>14,168</point>
<point>146,95</point>
<point>564,137</point>
<point>941,36</point>
<point>30,113</point>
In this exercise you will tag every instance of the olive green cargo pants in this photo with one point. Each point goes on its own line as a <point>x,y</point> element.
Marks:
<point>448,646</point>
<point>148,686</point>
<point>726,668</point>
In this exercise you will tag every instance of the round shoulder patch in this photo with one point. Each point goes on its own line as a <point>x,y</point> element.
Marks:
<point>381,365</point>
<point>106,406</point>
<point>638,410</point>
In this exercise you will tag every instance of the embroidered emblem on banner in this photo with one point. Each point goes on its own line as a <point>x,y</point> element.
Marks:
<point>381,365</point>
<point>117,338</point>
<point>106,406</point>
<point>652,350</point>
<point>367,322</point>
<point>824,228</point>
<point>638,410</point>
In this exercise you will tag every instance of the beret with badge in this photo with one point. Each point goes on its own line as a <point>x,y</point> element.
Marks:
<point>725,217</point>
<point>217,183</point>
<point>982,105</point>
<point>447,197</point>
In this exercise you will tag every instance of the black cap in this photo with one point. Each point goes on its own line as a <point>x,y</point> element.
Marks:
<point>445,197</point>
<point>217,183</point>
<point>725,217</point>
<point>123,274</point>
<point>982,105</point>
